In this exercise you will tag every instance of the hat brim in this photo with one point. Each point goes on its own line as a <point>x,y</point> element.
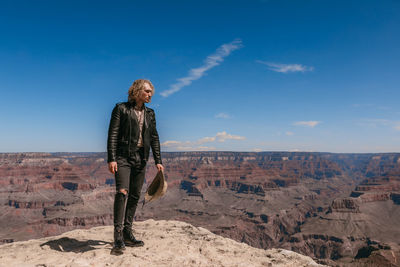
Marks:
<point>157,188</point>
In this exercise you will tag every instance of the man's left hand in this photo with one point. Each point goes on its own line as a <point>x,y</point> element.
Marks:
<point>160,168</point>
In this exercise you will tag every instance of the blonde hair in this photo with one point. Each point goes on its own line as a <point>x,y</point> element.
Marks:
<point>136,87</point>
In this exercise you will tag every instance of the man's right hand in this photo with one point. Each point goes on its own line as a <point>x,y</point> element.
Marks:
<point>112,167</point>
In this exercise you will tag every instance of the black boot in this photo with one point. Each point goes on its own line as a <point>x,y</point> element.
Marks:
<point>119,245</point>
<point>130,239</point>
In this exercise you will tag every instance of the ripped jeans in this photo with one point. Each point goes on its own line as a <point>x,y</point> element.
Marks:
<point>130,176</point>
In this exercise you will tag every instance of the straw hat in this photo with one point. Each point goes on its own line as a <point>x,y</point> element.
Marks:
<point>156,189</point>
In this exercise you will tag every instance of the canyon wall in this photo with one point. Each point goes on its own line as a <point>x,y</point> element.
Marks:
<point>336,208</point>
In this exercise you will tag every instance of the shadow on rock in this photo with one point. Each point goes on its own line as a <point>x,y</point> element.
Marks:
<point>67,244</point>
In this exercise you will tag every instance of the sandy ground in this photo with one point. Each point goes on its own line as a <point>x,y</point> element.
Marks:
<point>167,243</point>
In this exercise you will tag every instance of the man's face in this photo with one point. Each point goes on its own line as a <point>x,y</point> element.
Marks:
<point>145,94</point>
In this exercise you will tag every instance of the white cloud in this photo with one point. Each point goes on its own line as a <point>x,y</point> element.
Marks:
<point>311,124</point>
<point>219,137</point>
<point>285,68</point>
<point>222,115</point>
<point>170,143</point>
<point>197,145</point>
<point>210,62</point>
<point>222,136</point>
<point>257,149</point>
<point>289,133</point>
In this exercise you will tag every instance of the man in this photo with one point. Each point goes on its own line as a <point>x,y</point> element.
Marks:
<point>131,133</point>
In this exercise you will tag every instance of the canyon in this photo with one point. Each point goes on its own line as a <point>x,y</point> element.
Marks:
<point>339,209</point>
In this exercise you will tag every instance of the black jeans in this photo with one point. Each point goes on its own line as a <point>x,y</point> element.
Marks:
<point>130,176</point>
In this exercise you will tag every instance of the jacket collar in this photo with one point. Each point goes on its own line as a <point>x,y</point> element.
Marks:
<point>132,105</point>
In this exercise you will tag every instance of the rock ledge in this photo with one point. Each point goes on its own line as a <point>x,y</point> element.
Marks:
<point>167,243</point>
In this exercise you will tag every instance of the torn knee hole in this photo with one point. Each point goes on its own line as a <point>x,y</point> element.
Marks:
<point>123,191</point>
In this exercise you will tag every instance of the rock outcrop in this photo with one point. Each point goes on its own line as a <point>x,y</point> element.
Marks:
<point>167,243</point>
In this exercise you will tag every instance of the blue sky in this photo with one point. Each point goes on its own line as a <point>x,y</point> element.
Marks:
<point>229,75</point>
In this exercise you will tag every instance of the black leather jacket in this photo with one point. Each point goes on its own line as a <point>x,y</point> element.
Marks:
<point>123,133</point>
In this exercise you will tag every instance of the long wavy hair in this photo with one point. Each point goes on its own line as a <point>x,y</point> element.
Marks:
<point>136,87</point>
